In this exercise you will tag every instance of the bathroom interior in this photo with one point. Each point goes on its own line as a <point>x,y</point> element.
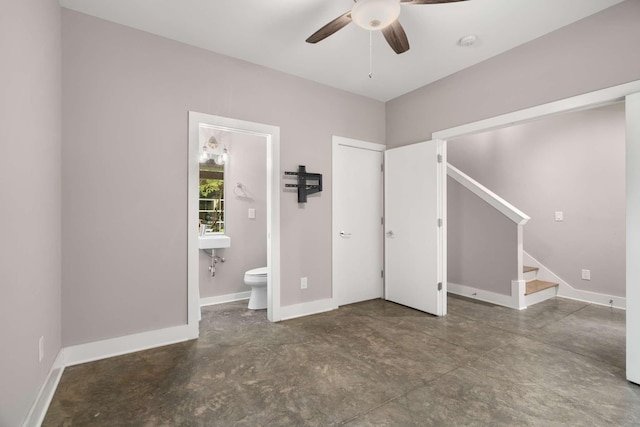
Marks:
<point>232,217</point>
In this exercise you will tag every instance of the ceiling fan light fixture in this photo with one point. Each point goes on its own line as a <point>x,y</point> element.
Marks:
<point>375,14</point>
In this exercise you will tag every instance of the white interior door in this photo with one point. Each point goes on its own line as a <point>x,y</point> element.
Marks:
<point>415,262</point>
<point>357,221</point>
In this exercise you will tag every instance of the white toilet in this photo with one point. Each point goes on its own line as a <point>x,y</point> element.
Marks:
<point>256,279</point>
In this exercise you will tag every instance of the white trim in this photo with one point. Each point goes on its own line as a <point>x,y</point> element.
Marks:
<point>307,308</point>
<point>592,297</point>
<point>221,299</point>
<point>538,297</point>
<point>41,404</point>
<point>519,251</point>
<point>482,295</point>
<point>337,141</point>
<point>97,350</point>
<point>588,100</point>
<point>632,119</point>
<point>193,243</point>
<point>565,290</point>
<point>272,137</point>
<point>441,183</point>
<point>518,290</point>
<point>506,208</point>
<point>341,140</point>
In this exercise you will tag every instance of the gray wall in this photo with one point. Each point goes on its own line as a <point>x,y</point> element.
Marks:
<point>29,200</point>
<point>125,104</point>
<point>247,165</point>
<point>597,52</point>
<point>574,163</point>
<point>481,242</point>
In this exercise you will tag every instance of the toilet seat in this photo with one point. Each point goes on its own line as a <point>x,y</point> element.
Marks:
<point>260,271</point>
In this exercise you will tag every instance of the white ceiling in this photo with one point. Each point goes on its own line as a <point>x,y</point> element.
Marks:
<point>273,32</point>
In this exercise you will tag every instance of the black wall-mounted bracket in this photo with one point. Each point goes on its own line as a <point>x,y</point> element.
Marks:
<point>308,183</point>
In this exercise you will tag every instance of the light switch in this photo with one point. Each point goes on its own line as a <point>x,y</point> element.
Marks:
<point>252,213</point>
<point>559,216</point>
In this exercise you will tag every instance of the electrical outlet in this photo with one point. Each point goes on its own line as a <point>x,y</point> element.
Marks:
<point>41,349</point>
<point>586,274</point>
<point>559,216</point>
<point>251,213</point>
<point>303,283</point>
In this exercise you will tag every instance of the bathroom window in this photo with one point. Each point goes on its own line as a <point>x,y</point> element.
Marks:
<point>211,211</point>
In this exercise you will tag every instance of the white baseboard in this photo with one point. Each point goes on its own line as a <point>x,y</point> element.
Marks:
<point>565,290</point>
<point>592,297</point>
<point>41,405</point>
<point>307,308</point>
<point>221,299</point>
<point>486,296</point>
<point>98,350</point>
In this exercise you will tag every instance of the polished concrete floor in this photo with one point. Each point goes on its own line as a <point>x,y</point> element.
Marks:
<point>375,363</point>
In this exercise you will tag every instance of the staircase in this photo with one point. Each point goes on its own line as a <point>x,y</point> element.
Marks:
<point>537,290</point>
<point>525,289</point>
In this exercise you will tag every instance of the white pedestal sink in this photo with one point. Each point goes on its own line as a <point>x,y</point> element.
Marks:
<point>214,241</point>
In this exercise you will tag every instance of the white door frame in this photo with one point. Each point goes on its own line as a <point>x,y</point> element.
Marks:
<point>337,141</point>
<point>272,137</point>
<point>581,102</point>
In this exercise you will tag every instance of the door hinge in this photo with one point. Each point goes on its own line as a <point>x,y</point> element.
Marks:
<point>382,274</point>
<point>439,158</point>
<point>381,220</point>
<point>382,168</point>
<point>439,222</point>
<point>439,286</point>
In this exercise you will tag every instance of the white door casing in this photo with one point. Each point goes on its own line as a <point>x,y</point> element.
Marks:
<point>272,139</point>
<point>357,221</point>
<point>632,111</point>
<point>415,256</point>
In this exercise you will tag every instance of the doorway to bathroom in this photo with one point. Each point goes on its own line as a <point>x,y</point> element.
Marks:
<point>233,210</point>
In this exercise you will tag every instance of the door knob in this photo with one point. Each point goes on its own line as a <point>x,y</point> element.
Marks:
<point>390,233</point>
<point>343,234</point>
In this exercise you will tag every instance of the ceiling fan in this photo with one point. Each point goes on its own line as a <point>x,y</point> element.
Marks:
<point>375,15</point>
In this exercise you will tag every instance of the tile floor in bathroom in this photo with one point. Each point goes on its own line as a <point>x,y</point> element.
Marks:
<point>374,363</point>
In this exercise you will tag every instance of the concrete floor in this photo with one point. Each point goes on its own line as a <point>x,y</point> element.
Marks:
<point>557,363</point>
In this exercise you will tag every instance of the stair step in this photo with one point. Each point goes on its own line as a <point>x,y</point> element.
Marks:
<point>538,285</point>
<point>530,273</point>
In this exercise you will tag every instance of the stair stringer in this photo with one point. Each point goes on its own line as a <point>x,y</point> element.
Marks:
<point>565,290</point>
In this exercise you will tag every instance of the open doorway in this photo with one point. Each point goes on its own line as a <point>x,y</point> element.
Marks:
<point>567,173</point>
<point>209,224</point>
<point>630,93</point>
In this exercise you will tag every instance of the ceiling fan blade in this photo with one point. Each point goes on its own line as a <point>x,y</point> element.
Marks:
<point>333,26</point>
<point>428,1</point>
<point>396,37</point>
